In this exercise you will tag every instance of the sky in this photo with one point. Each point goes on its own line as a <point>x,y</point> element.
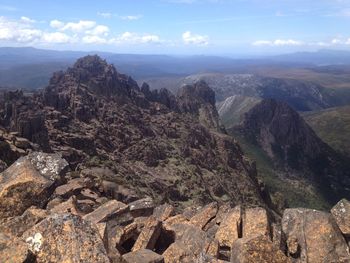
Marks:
<point>230,27</point>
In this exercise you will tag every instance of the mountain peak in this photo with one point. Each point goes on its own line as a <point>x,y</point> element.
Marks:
<point>91,63</point>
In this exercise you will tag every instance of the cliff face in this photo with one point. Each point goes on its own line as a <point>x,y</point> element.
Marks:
<point>150,142</point>
<point>295,148</point>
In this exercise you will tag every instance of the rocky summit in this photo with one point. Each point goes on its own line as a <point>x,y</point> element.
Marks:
<point>94,168</point>
<point>148,143</point>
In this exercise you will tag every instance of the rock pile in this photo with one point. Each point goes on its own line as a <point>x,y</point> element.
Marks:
<point>48,216</point>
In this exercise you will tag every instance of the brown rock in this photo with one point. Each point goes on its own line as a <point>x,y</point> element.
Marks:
<point>27,182</point>
<point>149,234</point>
<point>14,250</point>
<point>255,222</point>
<point>16,226</point>
<point>52,203</point>
<point>106,211</point>
<point>89,194</point>
<point>142,256</point>
<point>142,207</point>
<point>341,213</point>
<point>69,206</point>
<point>72,187</point>
<point>228,231</point>
<point>177,219</point>
<point>178,252</point>
<point>163,212</point>
<point>256,249</point>
<point>195,239</point>
<point>206,214</point>
<point>65,238</point>
<point>313,236</point>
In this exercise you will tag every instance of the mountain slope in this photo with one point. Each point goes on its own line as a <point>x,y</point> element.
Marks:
<point>232,109</point>
<point>151,143</point>
<point>294,150</point>
<point>333,126</point>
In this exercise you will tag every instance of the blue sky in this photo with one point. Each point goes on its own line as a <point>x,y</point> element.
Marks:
<point>177,26</point>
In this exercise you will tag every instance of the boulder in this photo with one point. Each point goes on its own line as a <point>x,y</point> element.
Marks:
<point>29,182</point>
<point>72,186</point>
<point>163,212</point>
<point>69,206</point>
<point>206,214</point>
<point>16,226</point>
<point>13,249</point>
<point>255,222</point>
<point>341,213</point>
<point>313,236</point>
<point>149,234</point>
<point>106,211</point>
<point>142,207</point>
<point>142,256</point>
<point>65,238</point>
<point>190,240</point>
<point>228,231</point>
<point>257,249</point>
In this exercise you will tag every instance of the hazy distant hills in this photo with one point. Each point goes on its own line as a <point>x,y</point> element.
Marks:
<point>30,68</point>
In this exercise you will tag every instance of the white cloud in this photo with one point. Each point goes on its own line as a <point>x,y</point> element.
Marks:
<point>27,20</point>
<point>57,38</point>
<point>105,14</point>
<point>79,27</point>
<point>134,38</point>
<point>99,30</point>
<point>131,18</point>
<point>56,24</point>
<point>18,31</point>
<point>189,38</point>
<point>89,39</point>
<point>278,42</point>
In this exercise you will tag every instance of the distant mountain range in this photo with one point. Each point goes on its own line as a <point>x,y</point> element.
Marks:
<point>31,68</point>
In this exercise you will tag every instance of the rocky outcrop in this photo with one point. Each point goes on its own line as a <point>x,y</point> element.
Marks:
<point>199,99</point>
<point>140,231</point>
<point>148,143</point>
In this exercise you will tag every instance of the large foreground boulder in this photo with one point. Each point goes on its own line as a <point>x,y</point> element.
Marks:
<point>313,237</point>
<point>29,182</point>
<point>257,249</point>
<point>341,214</point>
<point>65,238</point>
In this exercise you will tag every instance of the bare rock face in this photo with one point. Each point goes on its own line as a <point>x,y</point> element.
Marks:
<point>341,214</point>
<point>28,182</point>
<point>256,222</point>
<point>13,249</point>
<point>16,226</point>
<point>313,236</point>
<point>199,99</point>
<point>257,249</point>
<point>65,238</point>
<point>228,231</point>
<point>142,256</point>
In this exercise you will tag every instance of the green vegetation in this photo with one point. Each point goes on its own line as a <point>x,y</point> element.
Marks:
<point>332,126</point>
<point>296,193</point>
